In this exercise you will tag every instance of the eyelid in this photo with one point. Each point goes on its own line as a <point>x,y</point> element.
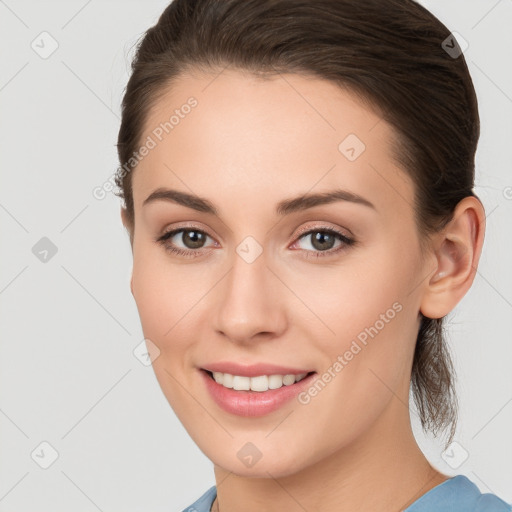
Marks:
<point>183,226</point>
<point>322,226</point>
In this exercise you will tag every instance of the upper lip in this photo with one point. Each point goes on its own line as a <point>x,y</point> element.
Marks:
<point>253,370</point>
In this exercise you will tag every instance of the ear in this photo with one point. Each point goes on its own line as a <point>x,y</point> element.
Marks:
<point>124,217</point>
<point>456,252</point>
<point>127,225</point>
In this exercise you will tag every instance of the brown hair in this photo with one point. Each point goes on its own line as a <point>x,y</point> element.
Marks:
<point>391,54</point>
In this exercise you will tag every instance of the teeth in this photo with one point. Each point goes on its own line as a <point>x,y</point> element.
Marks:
<point>259,383</point>
<point>275,381</point>
<point>241,383</point>
<point>226,380</point>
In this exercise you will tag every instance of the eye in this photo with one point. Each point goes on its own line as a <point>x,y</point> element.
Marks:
<point>322,241</point>
<point>192,239</point>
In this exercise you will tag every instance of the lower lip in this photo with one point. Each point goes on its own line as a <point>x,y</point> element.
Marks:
<point>253,403</point>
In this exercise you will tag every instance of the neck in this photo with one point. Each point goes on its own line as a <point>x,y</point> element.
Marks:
<point>384,469</point>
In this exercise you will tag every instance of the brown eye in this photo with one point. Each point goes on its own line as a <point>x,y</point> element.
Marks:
<point>193,239</point>
<point>184,241</point>
<point>322,242</point>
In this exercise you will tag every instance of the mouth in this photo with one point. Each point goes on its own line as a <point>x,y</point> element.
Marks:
<point>258,384</point>
<point>256,395</point>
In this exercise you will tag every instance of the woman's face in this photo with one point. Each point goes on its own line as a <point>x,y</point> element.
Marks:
<point>262,281</point>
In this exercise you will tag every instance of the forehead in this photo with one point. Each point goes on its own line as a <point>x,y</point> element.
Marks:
<point>235,135</point>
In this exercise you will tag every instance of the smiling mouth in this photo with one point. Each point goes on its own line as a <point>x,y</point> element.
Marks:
<point>258,384</point>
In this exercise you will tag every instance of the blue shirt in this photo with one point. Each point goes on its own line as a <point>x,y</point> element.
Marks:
<point>457,494</point>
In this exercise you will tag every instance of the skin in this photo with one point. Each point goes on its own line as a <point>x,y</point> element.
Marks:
<point>249,144</point>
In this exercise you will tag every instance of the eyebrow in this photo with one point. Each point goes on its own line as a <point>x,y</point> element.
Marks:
<point>285,207</point>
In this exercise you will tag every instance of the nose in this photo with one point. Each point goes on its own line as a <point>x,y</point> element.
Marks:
<point>250,302</point>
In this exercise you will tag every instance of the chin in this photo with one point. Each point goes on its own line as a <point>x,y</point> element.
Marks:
<point>270,465</point>
<point>261,470</point>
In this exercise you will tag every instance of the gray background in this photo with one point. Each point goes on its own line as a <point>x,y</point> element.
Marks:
<point>69,324</point>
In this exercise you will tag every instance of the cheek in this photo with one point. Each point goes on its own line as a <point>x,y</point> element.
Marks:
<point>165,299</point>
<point>366,359</point>
<point>158,293</point>
<point>172,301</point>
<point>351,295</point>
<point>366,323</point>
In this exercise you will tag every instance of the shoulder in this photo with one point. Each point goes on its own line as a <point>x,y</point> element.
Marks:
<point>491,503</point>
<point>204,503</point>
<point>458,494</point>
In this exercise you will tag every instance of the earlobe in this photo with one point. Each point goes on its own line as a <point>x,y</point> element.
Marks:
<point>457,251</point>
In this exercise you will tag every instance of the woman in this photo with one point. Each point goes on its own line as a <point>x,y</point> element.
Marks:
<point>298,183</point>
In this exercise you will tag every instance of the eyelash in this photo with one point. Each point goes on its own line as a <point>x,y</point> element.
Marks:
<point>191,253</point>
